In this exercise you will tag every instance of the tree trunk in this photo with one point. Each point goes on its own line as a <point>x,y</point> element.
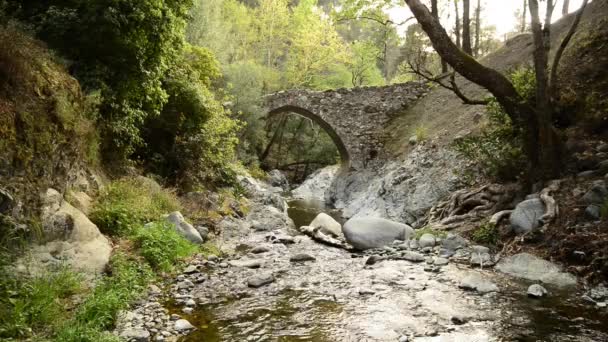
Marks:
<point>273,139</point>
<point>542,44</point>
<point>523,17</point>
<point>435,12</point>
<point>566,7</point>
<point>477,28</point>
<point>458,41</point>
<point>466,27</point>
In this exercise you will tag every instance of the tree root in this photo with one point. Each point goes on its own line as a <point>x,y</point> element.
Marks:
<point>471,205</point>
<point>317,235</point>
<point>551,207</point>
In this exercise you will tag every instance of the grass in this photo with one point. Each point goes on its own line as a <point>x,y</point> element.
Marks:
<point>35,304</point>
<point>59,307</point>
<point>421,133</point>
<point>127,203</point>
<point>429,230</point>
<point>162,246</point>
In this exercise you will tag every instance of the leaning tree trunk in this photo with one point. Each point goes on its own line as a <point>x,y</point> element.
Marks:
<point>435,12</point>
<point>566,7</point>
<point>466,27</point>
<point>477,28</point>
<point>520,112</point>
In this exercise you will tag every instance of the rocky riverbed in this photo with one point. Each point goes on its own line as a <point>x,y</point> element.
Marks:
<point>279,285</point>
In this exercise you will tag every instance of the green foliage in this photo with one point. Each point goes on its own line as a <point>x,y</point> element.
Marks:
<point>498,150</point>
<point>193,140</point>
<point>421,133</point>
<point>161,245</point>
<point>141,41</point>
<point>126,203</point>
<point>35,304</point>
<point>486,233</point>
<point>112,294</point>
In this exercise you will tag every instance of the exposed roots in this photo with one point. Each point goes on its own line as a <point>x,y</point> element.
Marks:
<point>317,235</point>
<point>551,208</point>
<point>472,205</point>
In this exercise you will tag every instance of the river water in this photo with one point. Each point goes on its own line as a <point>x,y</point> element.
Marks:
<point>338,298</point>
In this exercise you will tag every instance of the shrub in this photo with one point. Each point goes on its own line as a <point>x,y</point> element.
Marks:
<point>161,245</point>
<point>486,233</point>
<point>32,304</point>
<point>499,149</point>
<point>125,203</point>
<point>422,133</point>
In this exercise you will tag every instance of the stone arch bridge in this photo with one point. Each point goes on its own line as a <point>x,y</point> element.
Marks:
<point>355,119</point>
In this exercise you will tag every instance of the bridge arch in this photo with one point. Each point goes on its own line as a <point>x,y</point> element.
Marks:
<point>342,149</point>
<point>356,119</point>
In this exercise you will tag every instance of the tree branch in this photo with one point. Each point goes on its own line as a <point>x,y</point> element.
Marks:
<point>492,80</point>
<point>562,48</point>
<point>452,87</point>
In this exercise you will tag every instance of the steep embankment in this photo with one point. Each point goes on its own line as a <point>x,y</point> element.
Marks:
<point>45,135</point>
<point>421,174</point>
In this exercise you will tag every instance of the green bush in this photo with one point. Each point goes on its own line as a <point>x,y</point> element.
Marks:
<point>498,150</point>
<point>125,203</point>
<point>162,246</point>
<point>486,233</point>
<point>35,304</point>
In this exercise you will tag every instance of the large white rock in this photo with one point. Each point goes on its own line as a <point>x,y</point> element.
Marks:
<point>73,240</point>
<point>526,215</point>
<point>180,224</point>
<point>373,232</point>
<point>327,225</point>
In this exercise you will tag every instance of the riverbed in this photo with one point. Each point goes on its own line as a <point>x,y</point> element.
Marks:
<point>336,297</point>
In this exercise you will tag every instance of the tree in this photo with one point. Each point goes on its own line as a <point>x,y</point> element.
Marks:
<point>457,25</point>
<point>466,27</point>
<point>535,118</point>
<point>477,28</point>
<point>523,17</point>
<point>566,7</point>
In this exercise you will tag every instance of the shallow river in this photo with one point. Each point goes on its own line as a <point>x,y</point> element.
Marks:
<point>338,298</point>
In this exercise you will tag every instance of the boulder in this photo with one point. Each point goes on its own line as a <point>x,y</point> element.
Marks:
<point>180,225</point>
<point>536,291</point>
<point>593,212</point>
<point>249,263</point>
<point>453,242</point>
<point>80,200</point>
<point>477,282</point>
<point>135,335</point>
<point>528,266</point>
<point>203,231</point>
<point>526,216</point>
<point>374,232</point>
<point>182,325</point>
<point>317,184</point>
<point>327,225</point>
<point>72,239</point>
<point>301,257</point>
<point>278,179</point>
<point>597,194</point>
<point>268,218</point>
<point>427,240</point>
<point>260,280</point>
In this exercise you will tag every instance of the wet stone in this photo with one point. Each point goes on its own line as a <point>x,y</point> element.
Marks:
<point>536,291</point>
<point>301,257</point>
<point>260,280</point>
